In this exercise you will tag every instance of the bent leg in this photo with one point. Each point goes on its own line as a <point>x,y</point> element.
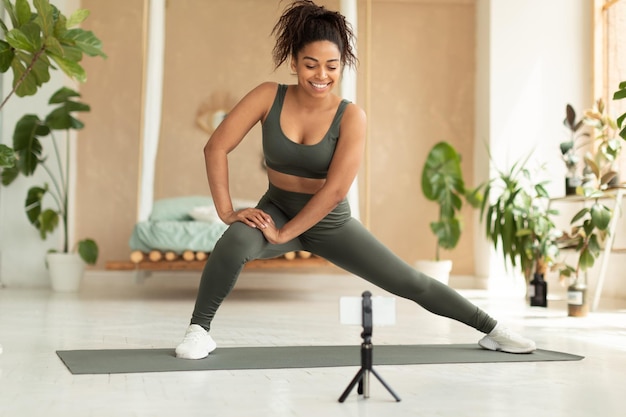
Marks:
<point>238,245</point>
<point>355,249</point>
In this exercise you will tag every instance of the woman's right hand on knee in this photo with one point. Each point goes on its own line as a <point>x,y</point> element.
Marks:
<point>252,217</point>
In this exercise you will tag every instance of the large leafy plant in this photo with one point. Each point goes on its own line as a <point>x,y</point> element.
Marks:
<point>518,221</point>
<point>442,182</point>
<point>42,40</point>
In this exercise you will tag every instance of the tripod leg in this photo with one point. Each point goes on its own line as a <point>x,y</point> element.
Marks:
<point>385,385</point>
<point>357,378</point>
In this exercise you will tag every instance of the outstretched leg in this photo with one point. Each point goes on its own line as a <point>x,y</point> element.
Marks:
<point>353,248</point>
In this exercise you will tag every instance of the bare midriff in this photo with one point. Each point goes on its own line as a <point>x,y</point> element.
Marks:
<point>294,183</point>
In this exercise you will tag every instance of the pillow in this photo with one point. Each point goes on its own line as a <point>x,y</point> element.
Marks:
<point>205,214</point>
<point>177,208</point>
<point>208,213</point>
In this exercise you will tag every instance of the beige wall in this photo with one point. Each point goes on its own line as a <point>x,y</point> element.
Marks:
<point>420,90</point>
<point>108,146</point>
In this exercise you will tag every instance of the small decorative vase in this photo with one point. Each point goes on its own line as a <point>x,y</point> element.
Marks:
<point>572,181</point>
<point>577,300</point>
<point>66,271</point>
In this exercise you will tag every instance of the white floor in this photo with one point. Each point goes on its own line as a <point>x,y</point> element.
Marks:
<point>284,309</point>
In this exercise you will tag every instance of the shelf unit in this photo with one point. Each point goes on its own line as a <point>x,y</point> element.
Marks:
<point>617,195</point>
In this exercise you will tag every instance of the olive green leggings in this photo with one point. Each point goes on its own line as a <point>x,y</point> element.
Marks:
<point>340,239</point>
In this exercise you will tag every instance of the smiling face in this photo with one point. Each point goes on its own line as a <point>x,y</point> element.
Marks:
<point>318,66</point>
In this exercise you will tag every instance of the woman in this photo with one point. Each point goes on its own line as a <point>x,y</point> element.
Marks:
<point>313,144</point>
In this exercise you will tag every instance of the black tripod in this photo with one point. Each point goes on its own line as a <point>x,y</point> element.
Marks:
<point>363,376</point>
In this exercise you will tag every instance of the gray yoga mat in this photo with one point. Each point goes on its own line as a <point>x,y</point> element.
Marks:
<point>112,361</point>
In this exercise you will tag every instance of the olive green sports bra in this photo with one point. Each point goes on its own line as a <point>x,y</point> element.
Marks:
<point>286,156</point>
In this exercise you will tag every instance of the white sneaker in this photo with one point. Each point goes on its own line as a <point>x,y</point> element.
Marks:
<point>197,344</point>
<point>504,340</point>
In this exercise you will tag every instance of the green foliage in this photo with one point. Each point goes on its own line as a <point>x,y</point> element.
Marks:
<point>608,143</point>
<point>620,94</point>
<point>41,40</point>
<point>29,131</point>
<point>570,147</point>
<point>7,156</point>
<point>519,221</point>
<point>442,182</point>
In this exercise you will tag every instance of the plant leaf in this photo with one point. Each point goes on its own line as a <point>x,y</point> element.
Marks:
<point>600,216</point>
<point>70,67</point>
<point>45,16</point>
<point>62,95</point>
<point>88,251</point>
<point>77,17</point>
<point>48,221</point>
<point>6,56</point>
<point>9,174</point>
<point>28,87</point>
<point>22,12</point>
<point>33,204</point>
<point>26,144</point>
<point>7,156</point>
<point>586,259</point>
<point>621,93</point>
<point>86,41</point>
<point>27,37</point>
<point>8,6</point>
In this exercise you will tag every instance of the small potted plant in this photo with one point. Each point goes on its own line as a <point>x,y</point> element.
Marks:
<point>442,182</point>
<point>27,145</point>
<point>589,228</point>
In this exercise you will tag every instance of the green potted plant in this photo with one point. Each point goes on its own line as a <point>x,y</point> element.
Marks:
<point>602,160</point>
<point>38,39</point>
<point>518,221</point>
<point>570,148</point>
<point>30,130</point>
<point>589,228</point>
<point>442,182</point>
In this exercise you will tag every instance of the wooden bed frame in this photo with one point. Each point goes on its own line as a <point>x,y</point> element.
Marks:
<point>144,264</point>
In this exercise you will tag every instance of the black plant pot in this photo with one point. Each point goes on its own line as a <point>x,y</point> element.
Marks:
<point>538,291</point>
<point>571,184</point>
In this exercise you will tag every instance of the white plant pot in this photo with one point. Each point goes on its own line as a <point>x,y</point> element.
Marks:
<point>440,270</point>
<point>66,271</point>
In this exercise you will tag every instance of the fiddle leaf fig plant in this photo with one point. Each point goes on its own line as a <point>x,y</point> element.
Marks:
<point>34,42</point>
<point>442,182</point>
<point>40,39</point>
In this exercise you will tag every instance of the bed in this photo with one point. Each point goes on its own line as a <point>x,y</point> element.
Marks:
<point>180,234</point>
